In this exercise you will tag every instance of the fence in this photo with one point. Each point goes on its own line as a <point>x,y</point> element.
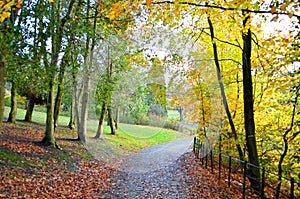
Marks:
<point>236,173</point>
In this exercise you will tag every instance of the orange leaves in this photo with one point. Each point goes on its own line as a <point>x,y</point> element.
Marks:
<point>116,11</point>
<point>148,2</point>
<point>32,171</point>
<point>273,9</point>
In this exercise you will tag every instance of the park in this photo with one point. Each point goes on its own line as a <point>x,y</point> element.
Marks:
<point>149,99</point>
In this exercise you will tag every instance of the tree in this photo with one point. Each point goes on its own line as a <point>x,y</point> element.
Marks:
<point>56,29</point>
<point>2,84</point>
<point>245,9</point>
<point>222,89</point>
<point>8,16</point>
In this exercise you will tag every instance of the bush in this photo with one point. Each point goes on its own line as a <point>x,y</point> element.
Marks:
<point>21,101</point>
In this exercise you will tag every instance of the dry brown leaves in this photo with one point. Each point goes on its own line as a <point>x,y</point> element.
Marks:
<point>35,171</point>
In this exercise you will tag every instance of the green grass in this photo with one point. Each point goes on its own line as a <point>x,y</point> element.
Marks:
<point>15,160</point>
<point>173,114</point>
<point>129,137</point>
<point>38,117</point>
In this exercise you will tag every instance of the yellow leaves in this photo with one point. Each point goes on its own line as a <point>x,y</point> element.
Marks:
<point>4,15</point>
<point>112,16</point>
<point>4,9</point>
<point>283,7</point>
<point>291,14</point>
<point>51,1</point>
<point>6,6</point>
<point>177,12</point>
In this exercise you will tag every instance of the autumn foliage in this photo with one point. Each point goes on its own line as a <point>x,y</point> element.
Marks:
<point>30,170</point>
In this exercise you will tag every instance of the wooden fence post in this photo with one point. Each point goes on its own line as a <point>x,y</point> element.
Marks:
<point>220,163</point>
<point>211,162</point>
<point>206,160</point>
<point>292,188</point>
<point>262,183</point>
<point>194,148</point>
<point>229,171</point>
<point>244,179</point>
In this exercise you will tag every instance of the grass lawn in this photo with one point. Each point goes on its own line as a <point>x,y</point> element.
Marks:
<point>173,114</point>
<point>128,138</point>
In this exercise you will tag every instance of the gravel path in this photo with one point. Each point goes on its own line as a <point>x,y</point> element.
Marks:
<point>157,157</point>
<point>155,172</point>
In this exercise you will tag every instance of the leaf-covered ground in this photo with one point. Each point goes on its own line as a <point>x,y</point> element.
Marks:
<point>30,170</point>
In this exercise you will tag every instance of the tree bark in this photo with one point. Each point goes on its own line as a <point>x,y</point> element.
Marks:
<point>13,106</point>
<point>49,139</point>
<point>61,79</point>
<point>2,86</point>
<point>117,117</point>
<point>111,122</point>
<point>223,93</point>
<point>29,111</point>
<point>88,64</point>
<point>71,124</point>
<point>57,104</point>
<point>56,28</point>
<point>84,110</point>
<point>76,103</point>
<point>248,107</point>
<point>101,121</point>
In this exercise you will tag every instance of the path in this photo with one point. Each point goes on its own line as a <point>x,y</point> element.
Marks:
<point>155,172</point>
<point>157,157</point>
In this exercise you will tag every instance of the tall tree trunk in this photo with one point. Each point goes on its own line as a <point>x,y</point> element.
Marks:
<point>49,139</point>
<point>248,107</point>
<point>84,109</point>
<point>101,121</point>
<point>71,124</point>
<point>56,28</point>
<point>2,86</point>
<point>111,122</point>
<point>117,117</point>
<point>223,94</point>
<point>29,110</point>
<point>57,104</point>
<point>180,110</point>
<point>61,79</point>
<point>13,106</point>
<point>88,64</point>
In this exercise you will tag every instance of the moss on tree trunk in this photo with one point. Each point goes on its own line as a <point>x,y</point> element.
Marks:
<point>13,106</point>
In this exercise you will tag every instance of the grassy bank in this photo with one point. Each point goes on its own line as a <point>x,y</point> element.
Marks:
<point>129,137</point>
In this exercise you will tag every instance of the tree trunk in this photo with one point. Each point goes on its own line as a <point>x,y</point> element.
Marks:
<point>2,86</point>
<point>113,129</point>
<point>88,64</point>
<point>61,79</point>
<point>248,107</point>
<point>49,139</point>
<point>117,117</point>
<point>13,106</point>
<point>56,28</point>
<point>180,110</point>
<point>223,94</point>
<point>101,121</point>
<point>76,103</point>
<point>72,116</point>
<point>29,111</point>
<point>58,100</point>
<point>84,110</point>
